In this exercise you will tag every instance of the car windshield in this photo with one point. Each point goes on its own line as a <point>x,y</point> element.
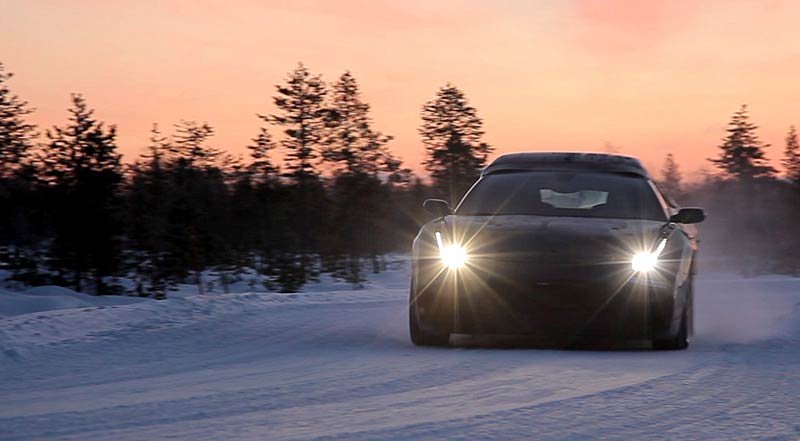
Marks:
<point>563,193</point>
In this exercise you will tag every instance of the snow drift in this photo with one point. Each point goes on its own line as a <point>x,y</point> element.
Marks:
<point>48,298</point>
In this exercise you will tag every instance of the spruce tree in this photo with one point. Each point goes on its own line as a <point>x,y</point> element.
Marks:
<point>199,210</point>
<point>361,199</point>
<point>742,153</point>
<point>82,169</point>
<point>257,205</point>
<point>671,177</point>
<point>84,144</point>
<point>791,160</point>
<point>17,136</point>
<point>158,150</point>
<point>190,144</point>
<point>148,200</point>
<point>261,168</point>
<point>20,206</point>
<point>303,116</point>
<point>452,134</point>
<point>351,143</point>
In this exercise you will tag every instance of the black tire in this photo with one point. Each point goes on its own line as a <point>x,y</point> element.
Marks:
<point>690,315</point>
<point>681,340</point>
<point>418,336</point>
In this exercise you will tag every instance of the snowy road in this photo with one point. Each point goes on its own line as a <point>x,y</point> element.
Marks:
<point>338,365</point>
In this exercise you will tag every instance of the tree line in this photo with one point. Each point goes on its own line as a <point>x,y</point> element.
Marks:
<point>75,215</point>
<point>754,212</point>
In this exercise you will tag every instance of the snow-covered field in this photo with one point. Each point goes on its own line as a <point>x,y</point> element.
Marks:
<point>339,365</point>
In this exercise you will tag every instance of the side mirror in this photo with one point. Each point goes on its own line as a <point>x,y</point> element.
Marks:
<point>437,207</point>
<point>688,216</point>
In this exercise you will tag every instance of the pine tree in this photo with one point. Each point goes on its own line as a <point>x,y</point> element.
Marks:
<point>158,150</point>
<point>452,134</point>
<point>190,144</point>
<point>261,167</point>
<point>671,177</point>
<point>351,142</point>
<point>148,200</point>
<point>303,117</point>
<point>83,171</point>
<point>16,135</point>
<point>361,160</point>
<point>83,145</point>
<point>742,153</point>
<point>791,161</point>
<point>19,204</point>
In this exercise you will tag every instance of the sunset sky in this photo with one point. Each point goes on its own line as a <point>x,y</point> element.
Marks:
<point>637,77</point>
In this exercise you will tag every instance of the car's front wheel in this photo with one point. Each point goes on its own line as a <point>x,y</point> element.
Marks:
<point>419,336</point>
<point>681,340</point>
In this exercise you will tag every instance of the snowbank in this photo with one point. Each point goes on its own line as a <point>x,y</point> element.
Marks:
<point>728,308</point>
<point>49,298</point>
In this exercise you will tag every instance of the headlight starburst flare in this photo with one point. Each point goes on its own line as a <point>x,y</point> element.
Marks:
<point>453,256</point>
<point>644,262</point>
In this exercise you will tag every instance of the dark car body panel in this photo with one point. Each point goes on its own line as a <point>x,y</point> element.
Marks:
<point>555,276</point>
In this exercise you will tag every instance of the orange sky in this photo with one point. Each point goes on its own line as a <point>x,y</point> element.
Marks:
<point>644,77</point>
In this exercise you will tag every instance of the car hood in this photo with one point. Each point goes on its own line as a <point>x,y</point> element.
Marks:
<point>567,239</point>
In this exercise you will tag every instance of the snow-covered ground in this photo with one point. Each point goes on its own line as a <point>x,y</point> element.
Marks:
<point>332,363</point>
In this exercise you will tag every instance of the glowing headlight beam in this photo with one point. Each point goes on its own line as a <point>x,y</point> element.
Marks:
<point>644,262</point>
<point>453,256</point>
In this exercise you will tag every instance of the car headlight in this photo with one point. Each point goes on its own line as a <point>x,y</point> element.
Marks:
<point>453,256</point>
<point>646,261</point>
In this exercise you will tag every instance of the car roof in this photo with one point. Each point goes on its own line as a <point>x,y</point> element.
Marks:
<point>602,162</point>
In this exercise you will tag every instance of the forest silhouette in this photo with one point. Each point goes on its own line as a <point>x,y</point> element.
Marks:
<point>186,211</point>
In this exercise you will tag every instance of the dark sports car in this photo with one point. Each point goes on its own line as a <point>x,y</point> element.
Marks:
<point>568,245</point>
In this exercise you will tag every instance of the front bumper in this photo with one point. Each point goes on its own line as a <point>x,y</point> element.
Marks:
<point>519,297</point>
